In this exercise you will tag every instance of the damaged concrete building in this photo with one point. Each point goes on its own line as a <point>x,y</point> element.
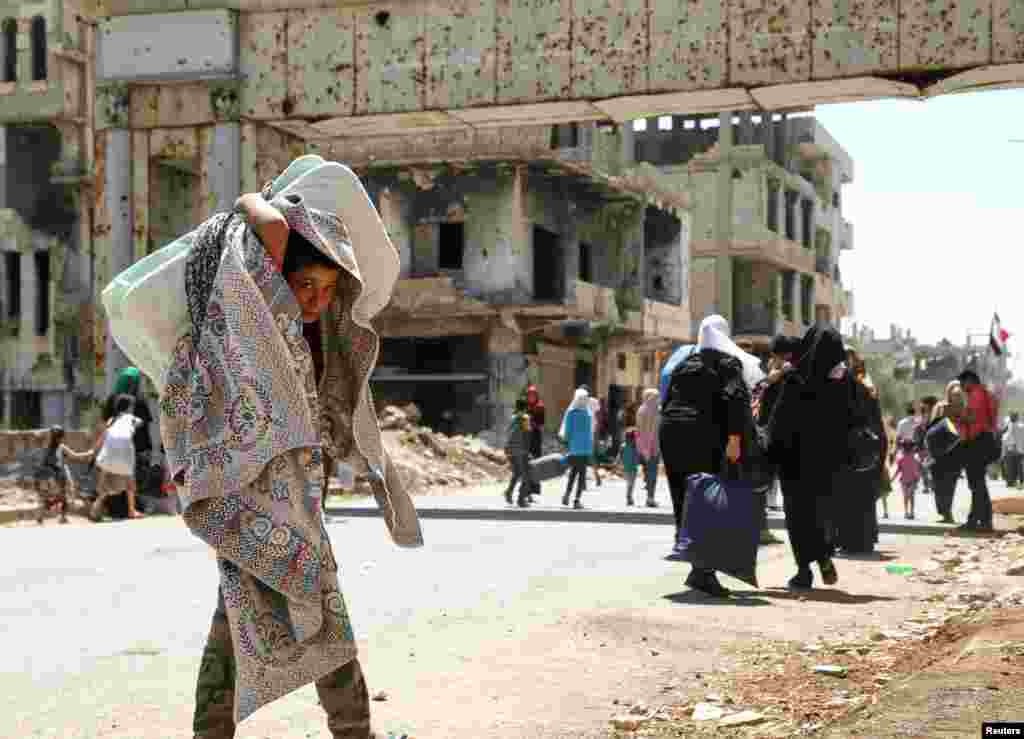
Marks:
<point>46,143</point>
<point>768,226</point>
<point>541,242</point>
<point>531,252</point>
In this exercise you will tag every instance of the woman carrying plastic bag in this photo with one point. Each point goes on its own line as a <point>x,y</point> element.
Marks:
<point>704,420</point>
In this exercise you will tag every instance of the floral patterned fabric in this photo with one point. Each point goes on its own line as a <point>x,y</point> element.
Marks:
<point>246,427</point>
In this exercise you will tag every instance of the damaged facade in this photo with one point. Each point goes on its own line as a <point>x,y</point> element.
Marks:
<point>534,249</point>
<point>768,226</point>
<point>46,143</point>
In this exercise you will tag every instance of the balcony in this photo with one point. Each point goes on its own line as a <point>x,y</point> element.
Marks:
<point>783,253</point>
<point>754,320</point>
<point>845,235</point>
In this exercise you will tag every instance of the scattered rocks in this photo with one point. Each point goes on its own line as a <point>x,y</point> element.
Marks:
<point>628,723</point>
<point>834,670</point>
<point>707,712</point>
<point>743,718</point>
<point>380,696</point>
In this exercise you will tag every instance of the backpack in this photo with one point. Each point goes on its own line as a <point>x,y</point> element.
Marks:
<point>117,455</point>
<point>694,387</point>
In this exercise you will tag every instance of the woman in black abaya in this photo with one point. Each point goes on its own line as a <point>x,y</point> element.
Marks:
<point>857,490</point>
<point>817,396</point>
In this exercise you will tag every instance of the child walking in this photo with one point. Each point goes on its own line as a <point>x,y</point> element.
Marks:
<point>517,448</point>
<point>908,470</point>
<point>630,463</point>
<point>53,479</point>
<point>115,458</point>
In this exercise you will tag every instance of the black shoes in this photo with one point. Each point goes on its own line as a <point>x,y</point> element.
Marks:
<point>829,576</point>
<point>803,580</point>
<point>707,583</point>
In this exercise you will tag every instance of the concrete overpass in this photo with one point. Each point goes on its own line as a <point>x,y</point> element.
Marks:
<point>342,68</point>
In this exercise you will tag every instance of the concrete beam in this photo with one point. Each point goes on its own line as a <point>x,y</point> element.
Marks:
<point>624,59</point>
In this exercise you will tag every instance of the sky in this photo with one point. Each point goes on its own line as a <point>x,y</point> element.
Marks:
<point>936,205</point>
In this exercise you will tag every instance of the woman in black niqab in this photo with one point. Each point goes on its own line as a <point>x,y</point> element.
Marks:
<point>816,451</point>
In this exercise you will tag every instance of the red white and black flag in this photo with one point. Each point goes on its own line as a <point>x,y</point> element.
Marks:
<point>998,336</point>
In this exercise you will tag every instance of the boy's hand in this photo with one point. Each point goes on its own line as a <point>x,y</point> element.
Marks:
<point>268,223</point>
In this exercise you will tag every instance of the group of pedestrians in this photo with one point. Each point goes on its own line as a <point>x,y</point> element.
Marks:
<point>812,422</point>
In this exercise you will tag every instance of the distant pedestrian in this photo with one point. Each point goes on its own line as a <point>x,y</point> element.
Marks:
<point>517,448</point>
<point>947,464</point>
<point>1013,449</point>
<point>115,458</point>
<point>980,448</point>
<point>854,506</point>
<point>927,406</point>
<point>52,477</point>
<point>538,417</point>
<point>630,463</point>
<point>908,471</point>
<point>647,443</point>
<point>577,432</point>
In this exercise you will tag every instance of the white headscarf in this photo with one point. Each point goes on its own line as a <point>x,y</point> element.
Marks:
<point>580,401</point>
<point>714,334</point>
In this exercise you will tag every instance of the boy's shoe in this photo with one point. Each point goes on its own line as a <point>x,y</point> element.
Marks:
<point>578,505</point>
<point>508,498</point>
<point>652,503</point>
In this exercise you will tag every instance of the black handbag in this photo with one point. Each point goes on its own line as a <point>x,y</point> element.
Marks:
<point>863,449</point>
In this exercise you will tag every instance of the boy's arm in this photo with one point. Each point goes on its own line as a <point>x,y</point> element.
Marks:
<point>268,223</point>
<point>81,457</point>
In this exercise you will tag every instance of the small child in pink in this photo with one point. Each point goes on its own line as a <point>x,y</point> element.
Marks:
<point>908,470</point>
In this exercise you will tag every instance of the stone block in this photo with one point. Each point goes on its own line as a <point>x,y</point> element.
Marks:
<point>533,50</point>
<point>688,46</point>
<point>461,55</point>
<point>321,61</point>
<point>854,37</point>
<point>610,48</point>
<point>390,74</point>
<point>950,34</point>
<point>770,42</point>
<point>200,43</point>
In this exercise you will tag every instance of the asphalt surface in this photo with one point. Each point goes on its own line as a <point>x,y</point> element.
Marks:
<point>607,504</point>
<point>493,629</point>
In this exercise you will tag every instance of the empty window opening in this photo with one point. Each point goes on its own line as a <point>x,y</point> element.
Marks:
<point>659,283</point>
<point>38,48</point>
<point>42,292</point>
<point>665,123</point>
<point>13,269</point>
<point>640,125</point>
<point>9,42</point>
<point>547,265</point>
<point>586,271</point>
<point>788,283</point>
<point>790,215</point>
<point>835,200</point>
<point>806,216</point>
<point>807,298</point>
<point>622,362</point>
<point>565,136</point>
<point>26,409</point>
<point>648,363</point>
<point>451,245</point>
<point>772,216</point>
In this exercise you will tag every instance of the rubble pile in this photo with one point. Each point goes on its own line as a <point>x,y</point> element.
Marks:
<point>786,689</point>
<point>432,461</point>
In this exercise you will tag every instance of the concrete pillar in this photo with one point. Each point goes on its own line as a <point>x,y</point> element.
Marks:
<point>627,145</point>
<point>768,136</point>
<point>723,218</point>
<point>746,137</point>
<point>509,375</point>
<point>223,158</point>
<point>117,192</point>
<point>3,166</point>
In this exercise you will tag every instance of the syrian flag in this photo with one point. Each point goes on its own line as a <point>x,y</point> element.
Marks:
<point>997,336</point>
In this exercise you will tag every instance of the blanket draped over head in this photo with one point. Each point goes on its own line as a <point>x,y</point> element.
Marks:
<point>245,428</point>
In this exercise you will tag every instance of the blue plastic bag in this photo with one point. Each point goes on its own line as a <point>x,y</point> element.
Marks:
<point>721,527</point>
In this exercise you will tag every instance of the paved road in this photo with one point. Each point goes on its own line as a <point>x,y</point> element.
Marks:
<point>495,629</point>
<point>607,504</point>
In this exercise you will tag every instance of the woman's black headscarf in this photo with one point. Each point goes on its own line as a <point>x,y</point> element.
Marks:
<point>820,351</point>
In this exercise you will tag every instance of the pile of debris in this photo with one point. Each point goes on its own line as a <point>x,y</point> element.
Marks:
<point>430,461</point>
<point>784,689</point>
